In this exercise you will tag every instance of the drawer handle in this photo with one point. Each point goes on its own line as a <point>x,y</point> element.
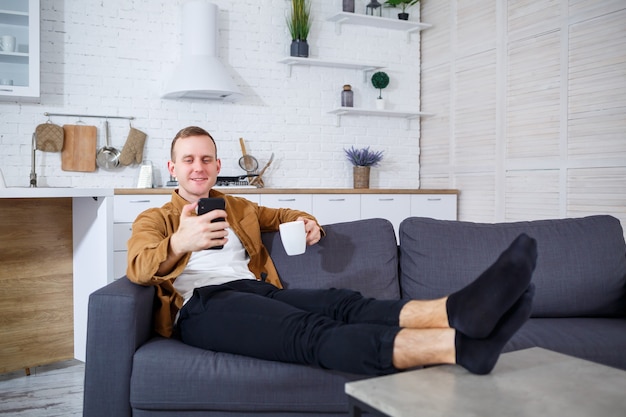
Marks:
<point>336,199</point>
<point>140,201</point>
<point>385,199</point>
<point>286,199</point>
<point>434,199</point>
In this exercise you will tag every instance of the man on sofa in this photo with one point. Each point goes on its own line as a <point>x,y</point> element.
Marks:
<point>231,300</point>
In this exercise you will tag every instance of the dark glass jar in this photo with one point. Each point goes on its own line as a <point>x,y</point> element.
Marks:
<point>347,96</point>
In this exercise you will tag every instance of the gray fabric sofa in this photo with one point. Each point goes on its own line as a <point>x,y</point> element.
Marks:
<point>580,310</point>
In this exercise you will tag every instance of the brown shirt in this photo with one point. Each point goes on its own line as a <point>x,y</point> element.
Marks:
<point>148,248</point>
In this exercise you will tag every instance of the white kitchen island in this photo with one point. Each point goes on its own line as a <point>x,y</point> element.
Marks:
<point>35,247</point>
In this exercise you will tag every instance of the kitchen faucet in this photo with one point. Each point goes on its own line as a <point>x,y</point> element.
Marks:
<point>33,174</point>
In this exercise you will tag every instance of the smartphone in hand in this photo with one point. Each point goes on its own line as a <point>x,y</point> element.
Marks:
<point>208,204</point>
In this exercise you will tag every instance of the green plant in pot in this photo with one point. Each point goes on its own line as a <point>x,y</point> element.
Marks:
<point>380,80</point>
<point>362,160</point>
<point>299,24</point>
<point>403,4</point>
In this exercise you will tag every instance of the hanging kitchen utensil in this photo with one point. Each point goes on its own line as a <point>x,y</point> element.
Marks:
<point>247,162</point>
<point>79,148</point>
<point>133,148</point>
<point>49,137</point>
<point>258,181</point>
<point>108,157</point>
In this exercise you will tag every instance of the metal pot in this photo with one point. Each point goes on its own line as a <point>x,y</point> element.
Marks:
<point>108,157</point>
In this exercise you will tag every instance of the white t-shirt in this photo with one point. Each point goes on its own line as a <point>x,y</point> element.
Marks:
<point>214,267</point>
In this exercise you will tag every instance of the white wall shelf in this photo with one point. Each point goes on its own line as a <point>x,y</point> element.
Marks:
<point>407,26</point>
<point>343,111</point>
<point>364,68</point>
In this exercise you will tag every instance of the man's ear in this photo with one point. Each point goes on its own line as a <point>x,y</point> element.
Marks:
<point>170,168</point>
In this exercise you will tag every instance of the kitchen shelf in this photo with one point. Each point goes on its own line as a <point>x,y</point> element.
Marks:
<point>14,57</point>
<point>365,68</point>
<point>407,26</point>
<point>346,111</point>
<point>13,17</point>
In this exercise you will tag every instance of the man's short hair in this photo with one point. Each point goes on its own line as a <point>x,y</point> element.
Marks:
<point>187,132</point>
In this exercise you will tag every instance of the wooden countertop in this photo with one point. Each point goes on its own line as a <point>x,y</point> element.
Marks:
<point>236,190</point>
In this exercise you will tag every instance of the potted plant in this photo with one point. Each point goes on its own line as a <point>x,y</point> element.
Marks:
<point>362,160</point>
<point>299,24</point>
<point>380,80</point>
<point>403,5</point>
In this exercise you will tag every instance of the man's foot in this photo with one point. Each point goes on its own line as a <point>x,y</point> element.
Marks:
<point>479,356</point>
<point>476,309</point>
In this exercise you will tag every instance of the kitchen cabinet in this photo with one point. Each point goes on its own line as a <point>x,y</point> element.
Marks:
<point>327,205</point>
<point>255,198</point>
<point>56,249</point>
<point>36,301</point>
<point>126,208</point>
<point>302,202</point>
<point>393,207</point>
<point>336,208</point>
<point>19,69</point>
<point>436,206</point>
<point>121,234</point>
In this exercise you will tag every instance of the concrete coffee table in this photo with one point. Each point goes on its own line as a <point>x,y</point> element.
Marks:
<point>532,382</point>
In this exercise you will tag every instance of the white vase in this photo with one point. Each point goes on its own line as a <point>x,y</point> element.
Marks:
<point>380,104</point>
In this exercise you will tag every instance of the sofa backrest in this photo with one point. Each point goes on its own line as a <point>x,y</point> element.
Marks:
<point>361,255</point>
<point>581,264</point>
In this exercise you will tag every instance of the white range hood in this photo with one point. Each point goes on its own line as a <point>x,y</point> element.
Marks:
<point>200,74</point>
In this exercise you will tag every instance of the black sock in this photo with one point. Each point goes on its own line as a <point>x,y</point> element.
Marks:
<point>476,309</point>
<point>479,356</point>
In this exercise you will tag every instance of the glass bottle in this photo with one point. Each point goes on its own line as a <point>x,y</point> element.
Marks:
<point>347,96</point>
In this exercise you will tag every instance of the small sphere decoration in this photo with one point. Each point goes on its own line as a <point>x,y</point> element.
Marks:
<point>380,80</point>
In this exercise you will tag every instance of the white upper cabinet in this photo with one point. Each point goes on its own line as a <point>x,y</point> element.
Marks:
<point>19,68</point>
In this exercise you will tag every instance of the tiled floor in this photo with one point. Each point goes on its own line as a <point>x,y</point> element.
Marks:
<point>50,391</point>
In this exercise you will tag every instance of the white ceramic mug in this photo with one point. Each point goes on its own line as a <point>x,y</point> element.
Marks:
<point>293,237</point>
<point>7,43</point>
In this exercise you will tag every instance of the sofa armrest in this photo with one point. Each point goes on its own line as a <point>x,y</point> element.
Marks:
<point>119,321</point>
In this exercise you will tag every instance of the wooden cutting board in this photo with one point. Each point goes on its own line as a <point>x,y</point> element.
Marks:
<point>79,148</point>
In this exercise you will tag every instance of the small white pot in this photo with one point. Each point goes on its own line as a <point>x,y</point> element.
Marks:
<point>380,104</point>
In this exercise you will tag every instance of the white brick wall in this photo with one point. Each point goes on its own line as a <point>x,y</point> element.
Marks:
<point>111,57</point>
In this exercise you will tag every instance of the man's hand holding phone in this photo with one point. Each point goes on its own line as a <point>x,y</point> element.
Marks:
<point>198,232</point>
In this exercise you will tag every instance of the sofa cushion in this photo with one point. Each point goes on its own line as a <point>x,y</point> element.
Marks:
<point>581,265</point>
<point>361,255</point>
<point>169,375</point>
<point>600,340</point>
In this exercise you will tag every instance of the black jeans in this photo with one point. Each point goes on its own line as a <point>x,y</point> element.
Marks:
<point>332,328</point>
